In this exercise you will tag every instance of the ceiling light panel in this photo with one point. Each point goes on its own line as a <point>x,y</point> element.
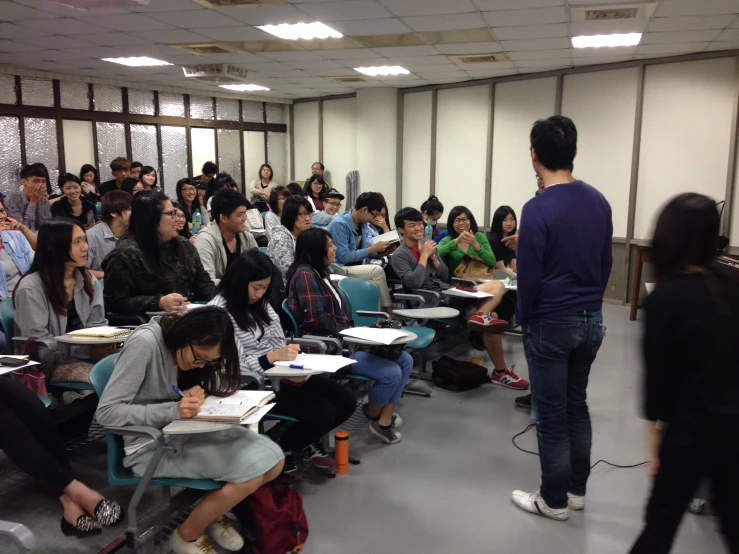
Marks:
<point>382,70</point>
<point>603,41</point>
<point>306,31</point>
<point>244,88</point>
<point>139,61</point>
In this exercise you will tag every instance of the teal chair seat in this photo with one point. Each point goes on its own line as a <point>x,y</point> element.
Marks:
<point>7,313</point>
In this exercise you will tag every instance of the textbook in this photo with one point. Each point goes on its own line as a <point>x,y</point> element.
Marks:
<point>391,237</point>
<point>101,332</point>
<point>235,408</point>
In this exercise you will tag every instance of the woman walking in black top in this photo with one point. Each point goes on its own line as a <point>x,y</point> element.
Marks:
<point>691,393</point>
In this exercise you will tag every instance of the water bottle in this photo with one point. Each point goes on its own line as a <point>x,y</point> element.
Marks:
<point>341,452</point>
<point>90,219</point>
<point>197,221</point>
<point>428,233</point>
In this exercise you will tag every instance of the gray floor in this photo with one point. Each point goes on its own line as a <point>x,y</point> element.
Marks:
<point>446,487</point>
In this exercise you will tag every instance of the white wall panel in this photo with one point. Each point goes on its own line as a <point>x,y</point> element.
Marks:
<point>340,142</point>
<point>254,155</point>
<point>416,149</point>
<point>463,117</point>
<point>603,107</point>
<point>517,106</point>
<point>685,134</point>
<point>203,148</point>
<point>305,137</point>
<point>79,148</point>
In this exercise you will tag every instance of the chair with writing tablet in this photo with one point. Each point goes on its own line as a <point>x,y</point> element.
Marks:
<point>18,534</point>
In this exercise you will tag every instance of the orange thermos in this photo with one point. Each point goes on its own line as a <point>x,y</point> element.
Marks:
<point>341,453</point>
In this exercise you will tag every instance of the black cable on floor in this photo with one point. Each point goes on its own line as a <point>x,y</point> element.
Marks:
<point>513,440</point>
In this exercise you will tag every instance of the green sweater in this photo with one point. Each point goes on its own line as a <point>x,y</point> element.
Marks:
<point>454,253</point>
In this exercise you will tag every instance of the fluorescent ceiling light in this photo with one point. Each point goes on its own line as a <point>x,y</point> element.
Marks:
<point>599,41</point>
<point>141,61</point>
<point>301,30</point>
<point>383,70</point>
<point>243,88</point>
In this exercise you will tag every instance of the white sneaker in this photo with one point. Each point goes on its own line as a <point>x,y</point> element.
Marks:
<point>575,502</point>
<point>533,502</point>
<point>224,534</point>
<point>181,546</point>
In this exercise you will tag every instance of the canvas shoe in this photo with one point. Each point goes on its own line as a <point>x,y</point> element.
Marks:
<point>221,530</point>
<point>575,502</point>
<point>388,436</point>
<point>509,379</point>
<point>181,546</point>
<point>532,502</point>
<point>487,323</point>
<point>318,456</point>
<point>397,421</point>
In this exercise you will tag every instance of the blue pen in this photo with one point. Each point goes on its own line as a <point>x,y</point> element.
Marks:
<point>178,391</point>
<point>296,366</point>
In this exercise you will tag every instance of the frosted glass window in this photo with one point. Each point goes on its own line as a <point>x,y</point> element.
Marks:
<point>227,109</point>
<point>174,157</point>
<point>144,147</point>
<point>305,136</point>
<point>229,153</point>
<point>416,148</point>
<point>37,92</point>
<point>140,101</point>
<point>108,98</point>
<point>10,154</point>
<point>111,144</point>
<point>277,150</point>
<point>253,111</point>
<point>340,140</point>
<point>203,146</point>
<point>41,145</point>
<point>277,113</point>
<point>171,104</point>
<point>7,90</point>
<point>201,107</point>
<point>74,95</point>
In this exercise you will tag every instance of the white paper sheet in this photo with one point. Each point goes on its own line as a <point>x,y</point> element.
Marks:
<point>382,336</point>
<point>6,369</point>
<point>323,363</point>
<point>478,294</point>
<point>390,237</point>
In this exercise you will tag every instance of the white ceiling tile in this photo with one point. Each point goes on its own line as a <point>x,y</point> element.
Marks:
<point>536,44</point>
<point>18,12</point>
<point>729,45</point>
<point>429,75</point>
<point>607,27</point>
<point>290,73</point>
<point>551,30</point>
<point>470,48</point>
<point>461,21</point>
<point>600,52</point>
<point>308,80</point>
<point>170,36</point>
<point>483,73</point>
<point>674,37</point>
<point>295,56</point>
<point>544,63</point>
<point>233,34</point>
<point>407,8</point>
<point>57,55</point>
<point>490,5</point>
<point>421,60</point>
<point>486,66</point>
<point>259,65</point>
<point>55,41</point>
<point>13,46</point>
<point>243,58</point>
<point>432,68</point>
<point>338,72</point>
<point>684,48</point>
<point>119,39</point>
<point>59,9</point>
<point>11,31</point>
<point>195,18</point>
<point>601,60</point>
<point>370,27</point>
<point>315,64</point>
<point>97,52</point>
<point>127,22</point>
<point>265,15</point>
<point>64,26</point>
<point>538,16</point>
<point>524,71</point>
<point>539,54</point>
<point>729,34</point>
<point>395,51</point>
<point>364,62</point>
<point>344,11</point>
<point>345,54</point>
<point>691,23</point>
<point>167,6</point>
<point>699,7</point>
<point>367,84</point>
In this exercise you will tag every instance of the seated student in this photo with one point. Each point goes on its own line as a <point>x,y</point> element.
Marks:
<point>202,193</point>
<point>331,206</point>
<point>318,307</point>
<point>16,252</point>
<point>132,185</point>
<point>72,205</point>
<point>316,169</point>
<point>187,197</point>
<point>348,231</point>
<point>464,239</point>
<point>260,189</point>
<point>90,181</point>
<point>152,268</point>
<point>30,206</point>
<point>277,198</point>
<point>321,404</point>
<point>148,177</point>
<point>295,188</point>
<point>221,243</point>
<point>102,238</point>
<point>57,296</point>
<point>120,168</point>
<point>296,217</point>
<point>196,353</point>
<point>209,172</point>
<point>30,439</point>
<point>315,191</point>
<point>180,223</point>
<point>222,180</point>
<point>418,264</point>
<point>136,168</point>
<point>504,225</point>
<point>432,210</point>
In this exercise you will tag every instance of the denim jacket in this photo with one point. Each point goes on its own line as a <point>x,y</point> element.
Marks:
<point>345,238</point>
<point>21,253</point>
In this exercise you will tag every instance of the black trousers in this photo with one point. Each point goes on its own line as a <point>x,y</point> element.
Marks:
<point>320,404</point>
<point>681,471</point>
<point>29,438</point>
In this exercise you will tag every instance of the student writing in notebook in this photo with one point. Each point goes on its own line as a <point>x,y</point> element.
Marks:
<point>197,353</point>
<point>318,402</point>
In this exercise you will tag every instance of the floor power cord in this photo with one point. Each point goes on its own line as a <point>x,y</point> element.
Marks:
<point>513,440</point>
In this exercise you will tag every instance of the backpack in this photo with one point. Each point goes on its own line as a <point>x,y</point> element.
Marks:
<point>279,520</point>
<point>458,375</point>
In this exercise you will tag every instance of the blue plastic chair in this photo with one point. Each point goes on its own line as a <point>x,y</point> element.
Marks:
<point>99,209</point>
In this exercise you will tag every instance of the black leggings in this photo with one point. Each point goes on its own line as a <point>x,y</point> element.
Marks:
<point>29,438</point>
<point>320,404</point>
<point>681,471</point>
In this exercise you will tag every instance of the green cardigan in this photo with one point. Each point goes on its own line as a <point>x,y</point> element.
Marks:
<point>454,254</point>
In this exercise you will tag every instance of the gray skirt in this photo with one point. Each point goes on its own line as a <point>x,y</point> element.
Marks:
<point>233,455</point>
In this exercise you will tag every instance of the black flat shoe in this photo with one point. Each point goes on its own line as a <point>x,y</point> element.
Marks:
<point>86,526</point>
<point>109,512</point>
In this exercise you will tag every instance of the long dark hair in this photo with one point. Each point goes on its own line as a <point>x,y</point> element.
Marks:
<point>290,210</point>
<point>186,229</point>
<point>454,214</point>
<point>250,266</point>
<point>432,206</point>
<point>387,213</point>
<point>195,201</point>
<point>145,171</point>
<point>496,227</point>
<point>87,168</point>
<point>274,196</point>
<point>206,326</point>
<point>311,247</point>
<point>685,235</point>
<point>52,252</point>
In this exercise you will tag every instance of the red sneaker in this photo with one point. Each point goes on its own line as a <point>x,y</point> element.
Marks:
<point>318,456</point>
<point>487,323</point>
<point>509,379</point>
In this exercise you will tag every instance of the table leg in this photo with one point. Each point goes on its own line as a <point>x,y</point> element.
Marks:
<point>636,286</point>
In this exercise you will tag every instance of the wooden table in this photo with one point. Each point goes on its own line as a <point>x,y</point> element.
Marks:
<point>643,255</point>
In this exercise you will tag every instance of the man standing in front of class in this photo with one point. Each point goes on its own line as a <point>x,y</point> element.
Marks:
<point>564,261</point>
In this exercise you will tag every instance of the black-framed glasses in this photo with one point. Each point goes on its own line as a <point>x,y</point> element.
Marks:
<point>171,213</point>
<point>305,214</point>
<point>201,362</point>
<point>462,220</point>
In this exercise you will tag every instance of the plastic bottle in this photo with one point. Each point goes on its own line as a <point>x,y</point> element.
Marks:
<point>341,452</point>
<point>197,222</point>
<point>428,232</point>
<point>90,218</point>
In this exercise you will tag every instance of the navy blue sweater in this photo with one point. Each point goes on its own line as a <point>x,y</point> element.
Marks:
<point>564,252</point>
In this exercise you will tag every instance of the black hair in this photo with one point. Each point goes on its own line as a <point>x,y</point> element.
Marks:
<point>34,170</point>
<point>87,168</point>
<point>271,172</point>
<point>206,326</point>
<point>290,210</point>
<point>454,214</point>
<point>294,188</point>
<point>432,205</point>
<point>185,231</point>
<point>275,194</point>
<point>496,227</point>
<point>115,202</point>
<point>319,163</point>
<point>311,248</point>
<point>195,201</point>
<point>249,266</point>
<point>134,165</point>
<point>225,202</point>
<point>128,184</point>
<point>369,200</point>
<point>407,214</point>
<point>555,142</point>
<point>308,191</point>
<point>148,169</point>
<point>120,164</point>
<point>222,180</point>
<point>67,178</point>
<point>685,235</point>
<point>387,212</point>
<point>209,168</point>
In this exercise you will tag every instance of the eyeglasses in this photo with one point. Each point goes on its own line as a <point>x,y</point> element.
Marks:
<point>188,188</point>
<point>171,213</point>
<point>337,204</point>
<point>461,220</point>
<point>199,361</point>
<point>2,211</point>
<point>305,214</point>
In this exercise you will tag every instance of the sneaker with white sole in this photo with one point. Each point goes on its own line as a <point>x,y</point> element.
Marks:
<point>533,502</point>
<point>508,379</point>
<point>221,530</point>
<point>487,323</point>
<point>575,502</point>
<point>181,546</point>
<point>318,456</point>
<point>397,421</point>
<point>389,436</point>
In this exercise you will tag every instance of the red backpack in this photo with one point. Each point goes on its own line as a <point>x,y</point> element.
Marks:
<point>281,525</point>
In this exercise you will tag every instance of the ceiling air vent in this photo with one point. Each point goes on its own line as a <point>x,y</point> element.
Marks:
<point>608,15</point>
<point>348,79</point>
<point>203,49</point>
<point>614,12</point>
<point>220,73</point>
<point>479,58</point>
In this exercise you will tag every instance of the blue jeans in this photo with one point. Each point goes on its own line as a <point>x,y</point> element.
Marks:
<point>390,375</point>
<point>559,352</point>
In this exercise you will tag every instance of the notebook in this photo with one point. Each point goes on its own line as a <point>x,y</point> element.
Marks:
<point>381,336</point>
<point>320,363</point>
<point>235,408</point>
<point>192,426</point>
<point>391,237</point>
<point>477,294</point>
<point>101,332</point>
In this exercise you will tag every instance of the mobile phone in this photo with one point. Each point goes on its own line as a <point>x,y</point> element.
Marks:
<point>12,362</point>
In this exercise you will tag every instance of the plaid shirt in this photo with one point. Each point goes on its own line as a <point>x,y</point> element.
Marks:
<point>314,306</point>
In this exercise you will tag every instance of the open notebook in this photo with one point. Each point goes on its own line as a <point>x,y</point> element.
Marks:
<point>392,237</point>
<point>101,332</point>
<point>235,408</point>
